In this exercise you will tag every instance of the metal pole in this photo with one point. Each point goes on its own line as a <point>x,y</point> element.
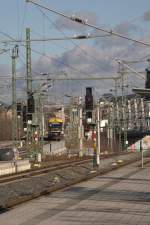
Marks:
<point>80,128</point>
<point>14,104</point>
<point>115,112</point>
<point>123,108</point>
<point>29,85</point>
<point>122,104</point>
<point>111,127</point>
<point>19,127</point>
<point>42,124</point>
<point>28,62</point>
<point>108,128</point>
<point>124,112</point>
<point>98,136</point>
<point>142,158</point>
<point>38,122</point>
<point>63,118</point>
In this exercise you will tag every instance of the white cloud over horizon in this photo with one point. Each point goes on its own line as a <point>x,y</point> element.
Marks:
<point>96,59</point>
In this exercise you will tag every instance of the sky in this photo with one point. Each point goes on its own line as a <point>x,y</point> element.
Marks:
<point>76,58</point>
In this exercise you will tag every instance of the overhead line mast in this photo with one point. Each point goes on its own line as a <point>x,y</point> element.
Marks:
<point>28,62</point>
<point>14,104</point>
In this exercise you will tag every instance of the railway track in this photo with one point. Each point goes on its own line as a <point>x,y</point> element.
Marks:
<point>50,168</point>
<point>40,171</point>
<point>81,169</point>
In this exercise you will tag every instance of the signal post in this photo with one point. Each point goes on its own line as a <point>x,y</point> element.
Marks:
<point>98,135</point>
<point>80,128</point>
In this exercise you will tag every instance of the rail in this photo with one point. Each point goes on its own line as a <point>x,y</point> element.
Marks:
<point>78,171</point>
<point>49,168</point>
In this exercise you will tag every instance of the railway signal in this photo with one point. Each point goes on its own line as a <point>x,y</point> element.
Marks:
<point>19,108</point>
<point>89,99</point>
<point>147,82</point>
<point>80,128</point>
<point>31,103</point>
<point>24,115</point>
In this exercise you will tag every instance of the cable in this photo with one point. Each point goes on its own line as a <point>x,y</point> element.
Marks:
<point>46,55</point>
<point>85,23</point>
<point>7,35</point>
<point>146,56</point>
<point>44,32</point>
<point>51,39</point>
<point>131,69</point>
<point>77,37</point>
<point>77,79</point>
<point>18,16</point>
<point>49,57</point>
<point>66,78</point>
<point>22,59</point>
<point>23,20</point>
<point>37,52</point>
<point>110,33</point>
<point>59,61</point>
<point>4,51</point>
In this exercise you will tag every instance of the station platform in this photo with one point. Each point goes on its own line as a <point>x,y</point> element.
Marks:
<point>119,197</point>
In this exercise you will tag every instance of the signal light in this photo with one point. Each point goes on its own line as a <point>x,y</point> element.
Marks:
<point>24,115</point>
<point>89,99</point>
<point>147,83</point>
<point>31,103</point>
<point>19,108</point>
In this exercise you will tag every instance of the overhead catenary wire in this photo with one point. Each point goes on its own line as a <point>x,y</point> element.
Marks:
<point>78,37</point>
<point>87,37</point>
<point>14,40</point>
<point>44,32</point>
<point>6,50</point>
<point>60,62</point>
<point>2,51</point>
<point>51,58</point>
<point>75,37</point>
<point>45,55</point>
<point>37,52</point>
<point>18,16</point>
<point>85,23</point>
<point>65,64</point>
<point>110,33</point>
<point>134,71</point>
<point>131,69</point>
<point>22,60</point>
<point>23,19</point>
<point>5,34</point>
<point>66,78</point>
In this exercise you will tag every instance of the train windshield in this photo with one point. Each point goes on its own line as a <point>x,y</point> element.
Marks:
<point>55,126</point>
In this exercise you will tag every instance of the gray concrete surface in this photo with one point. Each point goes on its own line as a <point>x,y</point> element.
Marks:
<point>30,186</point>
<point>54,148</point>
<point>117,198</point>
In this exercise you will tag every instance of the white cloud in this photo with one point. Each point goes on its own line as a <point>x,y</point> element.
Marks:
<point>94,61</point>
<point>125,28</point>
<point>146,16</point>
<point>86,60</point>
